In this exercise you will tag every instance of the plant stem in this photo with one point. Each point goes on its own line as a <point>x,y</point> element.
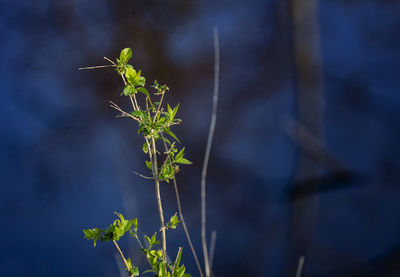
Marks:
<point>158,196</point>
<point>178,201</point>
<point>207,153</point>
<point>122,256</point>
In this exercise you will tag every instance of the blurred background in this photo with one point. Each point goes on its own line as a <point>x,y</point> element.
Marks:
<point>305,159</point>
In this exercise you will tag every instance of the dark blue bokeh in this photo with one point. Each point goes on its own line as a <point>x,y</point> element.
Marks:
<point>66,161</point>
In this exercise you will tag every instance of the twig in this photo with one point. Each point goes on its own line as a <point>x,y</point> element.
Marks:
<point>176,260</point>
<point>95,67</point>
<point>123,113</point>
<point>212,247</point>
<point>122,256</point>
<point>145,177</point>
<point>158,196</point>
<point>178,201</point>
<point>300,266</point>
<point>207,153</point>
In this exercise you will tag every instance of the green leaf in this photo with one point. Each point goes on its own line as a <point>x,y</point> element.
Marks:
<point>134,271</point>
<point>141,81</point>
<point>89,234</point>
<point>168,131</point>
<point>166,140</point>
<point>125,55</point>
<point>174,111</point>
<point>163,270</point>
<point>153,238</point>
<point>149,166</point>
<point>139,114</point>
<point>170,111</point>
<point>145,147</point>
<point>180,154</point>
<point>129,263</point>
<point>182,161</point>
<point>131,75</point>
<point>148,240</point>
<point>144,91</point>
<point>129,90</point>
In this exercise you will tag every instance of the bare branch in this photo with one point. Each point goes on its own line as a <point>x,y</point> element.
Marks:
<point>207,153</point>
<point>95,67</point>
<point>145,177</point>
<point>123,113</point>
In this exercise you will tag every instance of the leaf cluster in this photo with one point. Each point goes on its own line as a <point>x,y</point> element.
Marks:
<point>114,232</point>
<point>154,120</point>
<point>155,257</point>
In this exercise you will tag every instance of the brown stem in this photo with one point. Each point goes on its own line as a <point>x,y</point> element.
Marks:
<point>158,196</point>
<point>122,256</point>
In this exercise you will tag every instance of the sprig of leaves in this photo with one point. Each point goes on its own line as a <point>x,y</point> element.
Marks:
<point>154,122</point>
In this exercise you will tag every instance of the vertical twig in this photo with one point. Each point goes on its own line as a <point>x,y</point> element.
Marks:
<point>207,153</point>
<point>212,247</point>
<point>300,266</point>
<point>178,201</point>
<point>158,196</point>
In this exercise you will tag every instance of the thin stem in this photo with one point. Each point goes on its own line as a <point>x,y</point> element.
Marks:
<point>122,256</point>
<point>300,266</point>
<point>176,260</point>
<point>133,104</point>
<point>178,201</point>
<point>158,196</point>
<point>95,67</point>
<point>207,153</point>
<point>137,105</point>
<point>123,113</point>
<point>141,175</point>
<point>212,247</point>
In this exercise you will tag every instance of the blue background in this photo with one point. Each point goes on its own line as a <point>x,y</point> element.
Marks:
<point>66,161</point>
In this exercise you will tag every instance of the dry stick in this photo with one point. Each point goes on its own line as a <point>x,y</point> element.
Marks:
<point>178,201</point>
<point>207,153</point>
<point>158,195</point>
<point>95,67</point>
<point>300,266</point>
<point>122,255</point>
